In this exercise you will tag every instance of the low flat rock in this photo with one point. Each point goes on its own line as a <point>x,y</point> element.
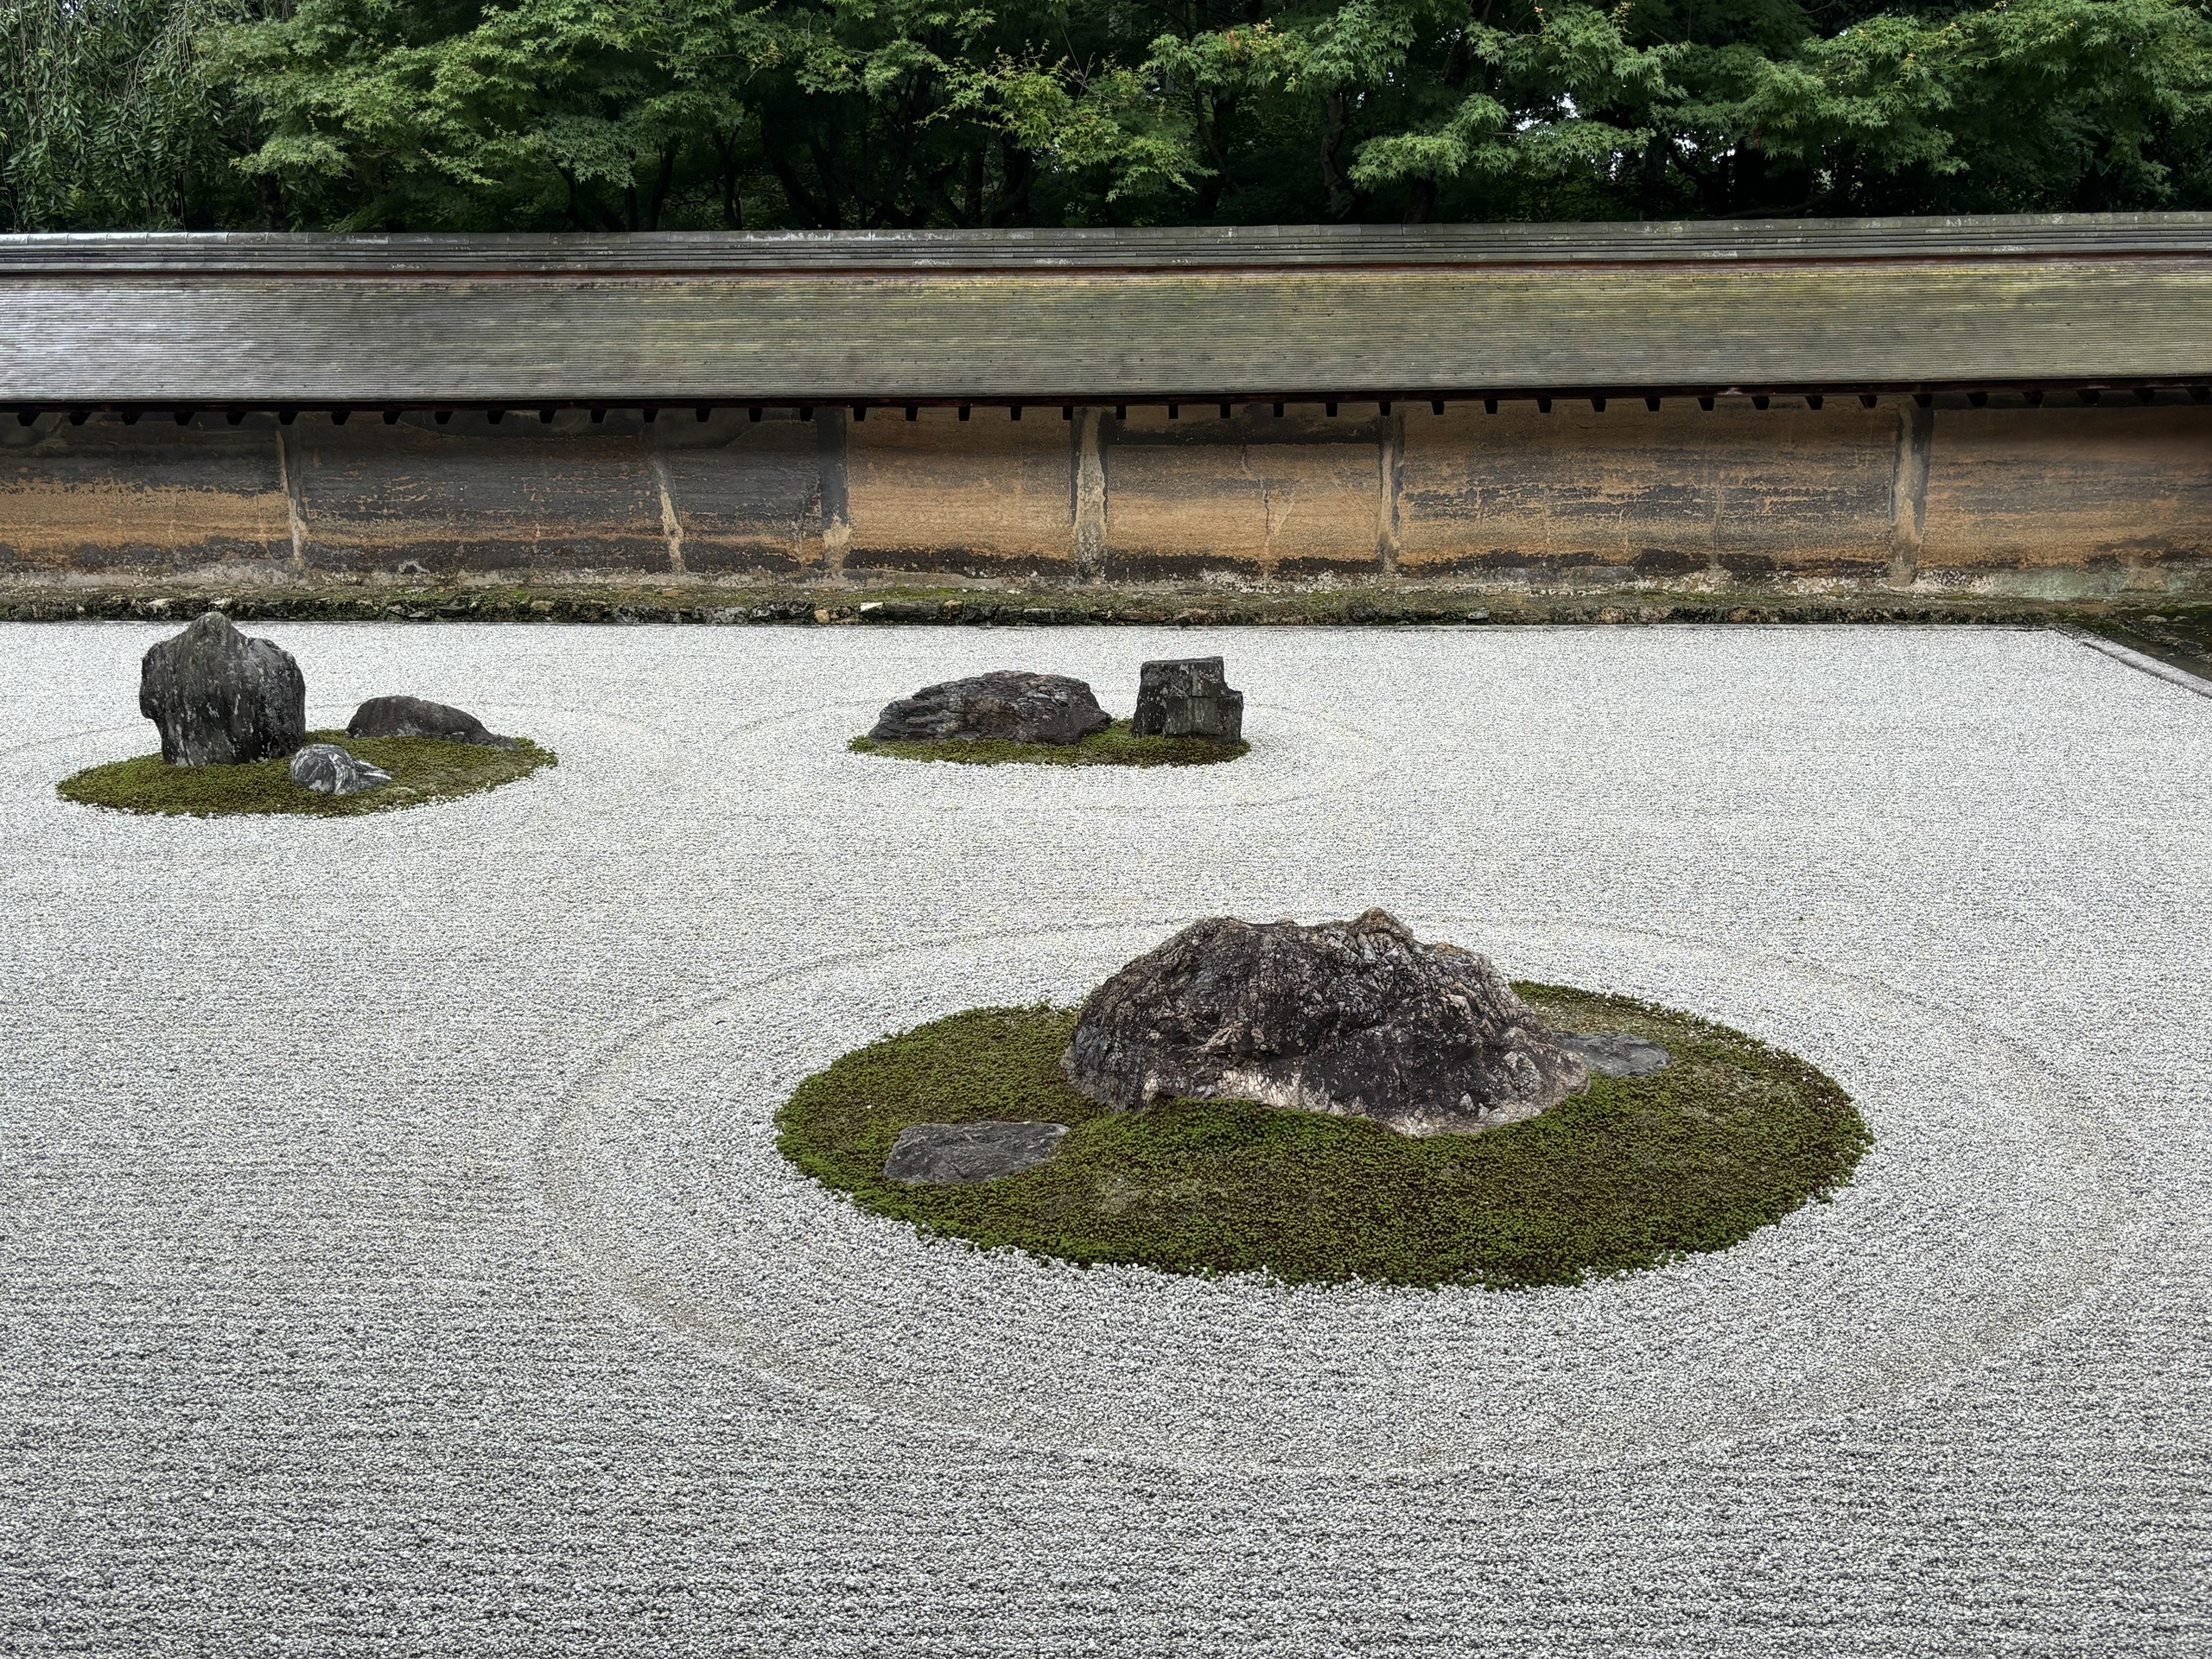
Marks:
<point>1355,1019</point>
<point>1615,1054</point>
<point>329,770</point>
<point>1188,697</point>
<point>221,699</point>
<point>1011,704</point>
<point>401,716</point>
<point>961,1154</point>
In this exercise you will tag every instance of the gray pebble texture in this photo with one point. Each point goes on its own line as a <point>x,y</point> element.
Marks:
<point>394,1257</point>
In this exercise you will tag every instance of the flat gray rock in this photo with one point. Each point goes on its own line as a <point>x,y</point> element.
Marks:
<point>1615,1054</point>
<point>419,717</point>
<point>221,699</point>
<point>961,1154</point>
<point>329,770</point>
<point>1009,703</point>
<point>1188,697</point>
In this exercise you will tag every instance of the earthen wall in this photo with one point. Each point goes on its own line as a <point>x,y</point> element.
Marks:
<point>1996,496</point>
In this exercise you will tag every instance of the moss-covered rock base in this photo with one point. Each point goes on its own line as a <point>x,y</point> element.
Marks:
<point>1117,746</point>
<point>422,770</point>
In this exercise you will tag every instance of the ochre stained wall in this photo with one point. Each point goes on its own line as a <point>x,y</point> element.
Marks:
<point>105,496</point>
<point>1003,510</point>
<point>1254,494</point>
<point>2077,500</point>
<point>1735,492</point>
<point>2043,492</point>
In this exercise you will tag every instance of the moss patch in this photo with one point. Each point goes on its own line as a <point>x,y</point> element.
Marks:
<point>1631,1173</point>
<point>422,770</point>
<point>1117,746</point>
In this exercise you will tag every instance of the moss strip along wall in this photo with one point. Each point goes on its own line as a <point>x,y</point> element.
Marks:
<point>2050,500</point>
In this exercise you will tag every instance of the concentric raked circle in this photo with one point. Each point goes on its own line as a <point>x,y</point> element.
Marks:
<point>1990,1203</point>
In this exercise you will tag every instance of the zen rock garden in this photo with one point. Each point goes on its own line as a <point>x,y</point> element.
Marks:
<point>231,713</point>
<point>1186,714</point>
<point>1317,1101</point>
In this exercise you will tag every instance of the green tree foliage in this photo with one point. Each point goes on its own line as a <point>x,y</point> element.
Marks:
<point>860,114</point>
<point>110,117</point>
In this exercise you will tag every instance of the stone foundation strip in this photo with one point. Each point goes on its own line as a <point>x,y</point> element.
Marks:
<point>715,604</point>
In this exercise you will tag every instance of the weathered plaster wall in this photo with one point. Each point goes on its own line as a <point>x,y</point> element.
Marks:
<point>2007,498</point>
<point>1736,493</point>
<point>1298,496</point>
<point>106,496</point>
<point>989,496</point>
<point>2039,493</point>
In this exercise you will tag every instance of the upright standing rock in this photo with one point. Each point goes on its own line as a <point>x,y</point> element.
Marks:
<point>1188,697</point>
<point>1356,1018</point>
<point>221,699</point>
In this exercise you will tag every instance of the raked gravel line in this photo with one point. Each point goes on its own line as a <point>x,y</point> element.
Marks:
<point>394,1258</point>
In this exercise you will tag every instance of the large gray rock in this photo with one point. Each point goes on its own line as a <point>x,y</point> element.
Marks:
<point>1355,1019</point>
<point>418,717</point>
<point>1008,703</point>
<point>1188,697</point>
<point>329,770</point>
<point>221,699</point>
<point>961,1154</point>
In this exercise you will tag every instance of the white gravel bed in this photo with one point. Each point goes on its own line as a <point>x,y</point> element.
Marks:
<point>394,1257</point>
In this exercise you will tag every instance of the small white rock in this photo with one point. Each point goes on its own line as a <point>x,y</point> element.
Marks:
<point>329,770</point>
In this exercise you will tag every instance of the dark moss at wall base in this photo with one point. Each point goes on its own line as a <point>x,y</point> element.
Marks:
<point>2180,636</point>
<point>1733,1136</point>
<point>423,769</point>
<point>264,594</point>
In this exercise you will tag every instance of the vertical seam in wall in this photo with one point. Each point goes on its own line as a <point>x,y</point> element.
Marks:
<point>833,464</point>
<point>671,523</point>
<point>1909,490</point>
<point>288,473</point>
<point>1716,486</point>
<point>1087,485</point>
<point>1392,462</point>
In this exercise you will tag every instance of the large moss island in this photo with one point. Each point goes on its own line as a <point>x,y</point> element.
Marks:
<point>1629,1173</point>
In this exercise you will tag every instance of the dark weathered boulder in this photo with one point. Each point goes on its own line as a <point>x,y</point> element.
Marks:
<point>329,770</point>
<point>1355,1019</point>
<point>417,717</point>
<point>1615,1054</point>
<point>221,699</point>
<point>1008,703</point>
<point>1188,697</point>
<point>961,1154</point>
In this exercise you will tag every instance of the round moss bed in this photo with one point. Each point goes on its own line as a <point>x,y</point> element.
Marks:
<point>423,769</point>
<point>1117,746</point>
<point>1631,1173</point>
